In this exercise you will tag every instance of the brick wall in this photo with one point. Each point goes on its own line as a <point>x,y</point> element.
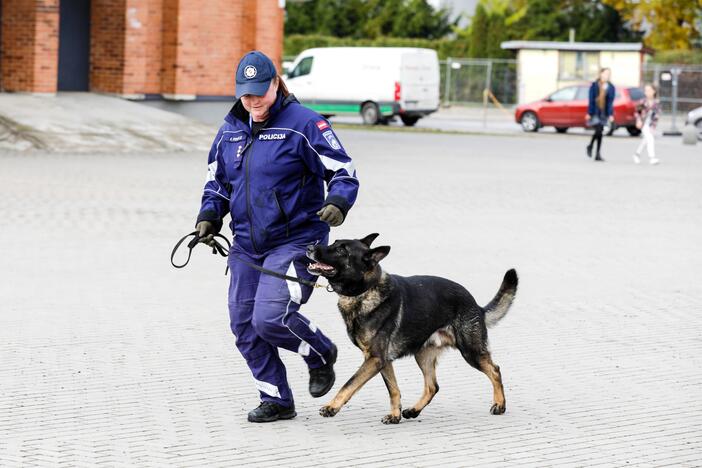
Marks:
<point>172,47</point>
<point>107,29</point>
<point>29,46</point>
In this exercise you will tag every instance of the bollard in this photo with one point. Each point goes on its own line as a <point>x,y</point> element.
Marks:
<point>689,135</point>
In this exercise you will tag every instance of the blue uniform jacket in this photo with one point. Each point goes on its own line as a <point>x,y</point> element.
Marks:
<point>592,101</point>
<point>272,182</point>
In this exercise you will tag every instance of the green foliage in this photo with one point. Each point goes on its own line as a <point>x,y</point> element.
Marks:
<point>367,19</point>
<point>480,23</point>
<point>294,44</point>
<point>688,57</point>
<point>551,20</point>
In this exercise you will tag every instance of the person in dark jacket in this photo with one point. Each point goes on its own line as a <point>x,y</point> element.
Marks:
<point>600,110</point>
<point>268,168</point>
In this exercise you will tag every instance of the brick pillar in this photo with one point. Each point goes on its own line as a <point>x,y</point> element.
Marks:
<point>269,30</point>
<point>29,60</point>
<point>180,47</point>
<point>107,45</point>
<point>135,47</point>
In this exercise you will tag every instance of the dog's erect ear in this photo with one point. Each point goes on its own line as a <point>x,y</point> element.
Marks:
<point>379,253</point>
<point>368,240</point>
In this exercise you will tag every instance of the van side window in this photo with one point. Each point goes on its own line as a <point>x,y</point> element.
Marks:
<point>303,68</point>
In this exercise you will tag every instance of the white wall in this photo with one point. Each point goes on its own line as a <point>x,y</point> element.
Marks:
<point>626,67</point>
<point>538,74</point>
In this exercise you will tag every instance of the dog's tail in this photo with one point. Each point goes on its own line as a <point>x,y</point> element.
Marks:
<point>500,304</point>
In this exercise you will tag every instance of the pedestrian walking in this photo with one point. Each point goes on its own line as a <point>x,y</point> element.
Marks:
<point>600,110</point>
<point>267,168</point>
<point>647,115</point>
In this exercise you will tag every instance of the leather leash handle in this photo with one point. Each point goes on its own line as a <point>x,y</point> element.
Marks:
<point>217,248</point>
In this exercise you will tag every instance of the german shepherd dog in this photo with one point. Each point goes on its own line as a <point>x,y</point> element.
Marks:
<point>390,316</point>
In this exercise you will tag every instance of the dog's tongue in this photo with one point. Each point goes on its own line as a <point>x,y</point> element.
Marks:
<point>321,266</point>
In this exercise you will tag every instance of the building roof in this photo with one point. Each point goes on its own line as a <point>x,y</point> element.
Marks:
<point>581,46</point>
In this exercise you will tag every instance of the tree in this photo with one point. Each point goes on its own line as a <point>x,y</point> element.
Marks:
<point>479,25</point>
<point>592,20</point>
<point>668,24</point>
<point>367,19</point>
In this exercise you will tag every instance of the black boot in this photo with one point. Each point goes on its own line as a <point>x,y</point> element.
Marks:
<point>269,412</point>
<point>589,151</point>
<point>598,157</point>
<point>322,378</point>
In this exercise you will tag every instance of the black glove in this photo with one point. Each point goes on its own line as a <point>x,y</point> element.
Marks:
<point>206,231</point>
<point>331,215</point>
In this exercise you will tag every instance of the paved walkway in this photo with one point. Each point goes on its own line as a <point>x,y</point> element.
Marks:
<point>111,357</point>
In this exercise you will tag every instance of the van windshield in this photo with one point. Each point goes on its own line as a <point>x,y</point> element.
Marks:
<point>302,68</point>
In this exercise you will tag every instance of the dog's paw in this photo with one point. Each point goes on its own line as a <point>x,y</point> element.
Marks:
<point>390,419</point>
<point>498,409</point>
<point>410,413</point>
<point>328,411</point>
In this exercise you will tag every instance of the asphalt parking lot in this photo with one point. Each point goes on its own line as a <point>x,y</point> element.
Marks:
<point>110,356</point>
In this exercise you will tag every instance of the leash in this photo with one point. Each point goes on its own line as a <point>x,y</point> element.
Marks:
<point>218,248</point>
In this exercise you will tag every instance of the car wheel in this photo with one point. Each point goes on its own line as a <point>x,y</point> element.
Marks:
<point>409,120</point>
<point>561,129</point>
<point>529,122</point>
<point>370,113</point>
<point>633,131</point>
<point>698,126</point>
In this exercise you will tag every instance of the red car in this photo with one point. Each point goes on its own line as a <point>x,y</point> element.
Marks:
<point>567,108</point>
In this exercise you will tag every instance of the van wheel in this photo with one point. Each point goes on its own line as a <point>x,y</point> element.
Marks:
<point>409,120</point>
<point>370,113</point>
<point>561,129</point>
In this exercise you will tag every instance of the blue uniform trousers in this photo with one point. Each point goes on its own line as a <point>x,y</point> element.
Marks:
<point>264,316</point>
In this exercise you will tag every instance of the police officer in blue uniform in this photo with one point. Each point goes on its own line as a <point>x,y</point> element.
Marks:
<point>268,168</point>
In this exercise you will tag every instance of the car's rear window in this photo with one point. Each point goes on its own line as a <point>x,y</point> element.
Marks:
<point>636,93</point>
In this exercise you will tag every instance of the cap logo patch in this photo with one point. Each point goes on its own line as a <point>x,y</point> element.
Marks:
<point>249,72</point>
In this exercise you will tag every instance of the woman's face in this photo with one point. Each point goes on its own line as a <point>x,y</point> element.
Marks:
<point>258,106</point>
<point>605,74</point>
<point>649,92</point>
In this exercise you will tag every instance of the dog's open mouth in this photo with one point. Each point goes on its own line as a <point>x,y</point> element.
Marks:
<point>319,268</point>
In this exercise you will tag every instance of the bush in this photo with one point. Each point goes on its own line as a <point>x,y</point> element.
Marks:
<point>688,57</point>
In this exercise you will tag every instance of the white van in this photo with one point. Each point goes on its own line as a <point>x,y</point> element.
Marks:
<point>377,82</point>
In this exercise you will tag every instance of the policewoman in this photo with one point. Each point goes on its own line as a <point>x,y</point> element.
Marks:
<point>268,168</point>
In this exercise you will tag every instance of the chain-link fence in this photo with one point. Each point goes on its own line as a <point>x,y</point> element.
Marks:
<point>465,81</point>
<point>679,86</point>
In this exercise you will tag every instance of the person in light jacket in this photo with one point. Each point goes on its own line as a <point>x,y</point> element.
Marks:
<point>648,114</point>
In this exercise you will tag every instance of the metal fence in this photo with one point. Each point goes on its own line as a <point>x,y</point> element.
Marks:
<point>679,86</point>
<point>465,81</point>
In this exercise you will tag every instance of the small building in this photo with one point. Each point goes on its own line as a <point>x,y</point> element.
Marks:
<point>545,66</point>
<point>175,49</point>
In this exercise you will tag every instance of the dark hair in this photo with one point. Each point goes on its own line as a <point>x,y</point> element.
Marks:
<point>655,90</point>
<point>281,86</point>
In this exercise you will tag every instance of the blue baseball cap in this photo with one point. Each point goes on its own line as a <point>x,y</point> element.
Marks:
<point>254,74</point>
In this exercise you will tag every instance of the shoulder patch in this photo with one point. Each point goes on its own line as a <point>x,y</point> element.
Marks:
<point>331,139</point>
<point>322,124</point>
